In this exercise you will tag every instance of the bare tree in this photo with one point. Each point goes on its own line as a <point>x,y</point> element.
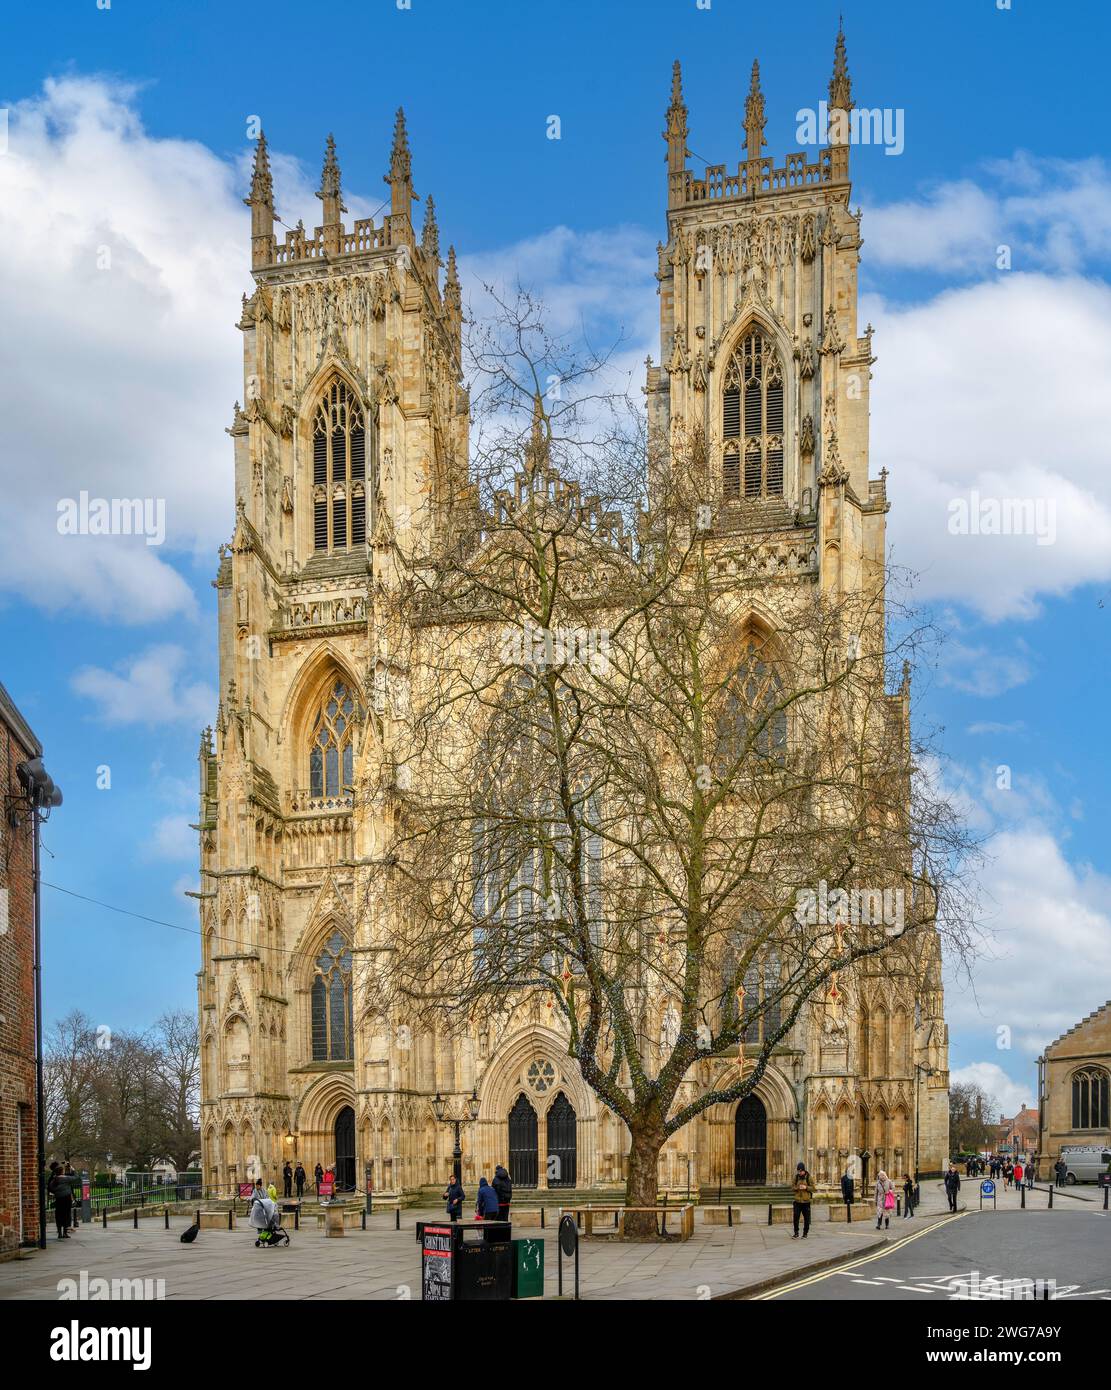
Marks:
<point>177,1040</point>
<point>615,792</point>
<point>973,1115</point>
<point>69,1077</point>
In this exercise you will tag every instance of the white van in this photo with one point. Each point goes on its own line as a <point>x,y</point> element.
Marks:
<point>1085,1164</point>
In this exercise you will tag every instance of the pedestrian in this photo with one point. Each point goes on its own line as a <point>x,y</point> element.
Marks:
<point>952,1186</point>
<point>299,1179</point>
<point>503,1186</point>
<point>1008,1172</point>
<point>804,1194</point>
<point>848,1188</point>
<point>487,1208</point>
<point>287,1179</point>
<point>908,1196</point>
<point>272,1192</point>
<point>885,1200</point>
<point>455,1197</point>
<point>1018,1174</point>
<point>318,1174</point>
<point>61,1189</point>
<point>75,1188</point>
<point>1061,1169</point>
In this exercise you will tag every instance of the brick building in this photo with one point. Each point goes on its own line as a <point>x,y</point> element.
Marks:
<point>19,1219</point>
<point>1019,1134</point>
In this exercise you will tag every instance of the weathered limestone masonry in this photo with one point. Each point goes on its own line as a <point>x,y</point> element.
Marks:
<point>354,429</point>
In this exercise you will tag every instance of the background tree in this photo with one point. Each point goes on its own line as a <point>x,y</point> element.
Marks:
<point>973,1116</point>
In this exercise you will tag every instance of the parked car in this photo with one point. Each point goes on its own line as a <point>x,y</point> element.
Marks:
<point>1085,1164</point>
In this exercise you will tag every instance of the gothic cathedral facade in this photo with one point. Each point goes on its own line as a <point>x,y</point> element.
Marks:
<point>354,425</point>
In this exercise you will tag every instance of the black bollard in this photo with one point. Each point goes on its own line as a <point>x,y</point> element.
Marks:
<point>297,1218</point>
<point>769,1213</point>
<point>729,1215</point>
<point>364,1219</point>
<point>1106,1190</point>
<point>542,1211</point>
<point>231,1217</point>
<point>104,1214</point>
<point>135,1218</point>
<point>397,1218</point>
<point>1051,1199</point>
<point>1022,1195</point>
<point>166,1214</point>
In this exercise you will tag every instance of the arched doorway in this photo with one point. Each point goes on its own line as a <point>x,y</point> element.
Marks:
<point>750,1143</point>
<point>524,1157</point>
<point>562,1143</point>
<point>345,1150</point>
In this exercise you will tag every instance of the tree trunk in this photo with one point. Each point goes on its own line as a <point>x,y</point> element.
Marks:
<point>641,1185</point>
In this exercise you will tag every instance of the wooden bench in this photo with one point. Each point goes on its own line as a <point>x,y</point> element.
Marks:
<point>584,1217</point>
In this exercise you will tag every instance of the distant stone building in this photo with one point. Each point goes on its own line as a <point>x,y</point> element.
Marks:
<point>19,1189</point>
<point>354,428</point>
<point>1074,1081</point>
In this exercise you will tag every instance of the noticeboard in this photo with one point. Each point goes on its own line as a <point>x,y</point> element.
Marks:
<point>245,1189</point>
<point>436,1264</point>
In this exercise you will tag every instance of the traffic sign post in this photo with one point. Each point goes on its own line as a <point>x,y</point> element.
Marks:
<point>987,1189</point>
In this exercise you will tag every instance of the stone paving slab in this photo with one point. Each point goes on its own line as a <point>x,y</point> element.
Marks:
<point>383,1263</point>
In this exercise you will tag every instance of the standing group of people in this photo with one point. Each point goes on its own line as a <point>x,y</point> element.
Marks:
<point>492,1202</point>
<point>1005,1170</point>
<point>62,1184</point>
<point>296,1177</point>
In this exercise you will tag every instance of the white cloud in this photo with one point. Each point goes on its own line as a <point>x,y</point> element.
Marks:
<point>150,688</point>
<point>1050,922</point>
<point>1009,1096</point>
<point>172,838</point>
<point>989,726</point>
<point>988,388</point>
<point>981,670</point>
<point>1052,214</point>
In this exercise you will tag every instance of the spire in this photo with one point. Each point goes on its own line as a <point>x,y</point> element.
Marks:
<point>840,86</point>
<point>329,191</point>
<point>754,115</point>
<point>400,177</point>
<point>840,104</point>
<point>430,236</point>
<point>453,297</point>
<point>453,300</point>
<point>537,451</point>
<point>675,134</point>
<point>261,203</point>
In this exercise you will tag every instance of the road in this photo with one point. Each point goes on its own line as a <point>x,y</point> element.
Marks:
<point>976,1255</point>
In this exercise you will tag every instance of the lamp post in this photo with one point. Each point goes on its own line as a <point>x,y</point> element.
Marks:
<point>41,795</point>
<point>919,1068</point>
<point>447,1115</point>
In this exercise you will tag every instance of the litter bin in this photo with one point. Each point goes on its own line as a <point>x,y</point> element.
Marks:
<point>528,1269</point>
<point>465,1261</point>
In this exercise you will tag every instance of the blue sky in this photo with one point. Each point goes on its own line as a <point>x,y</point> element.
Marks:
<point>127,130</point>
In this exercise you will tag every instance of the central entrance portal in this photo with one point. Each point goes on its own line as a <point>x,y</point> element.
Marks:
<point>750,1143</point>
<point>345,1150</point>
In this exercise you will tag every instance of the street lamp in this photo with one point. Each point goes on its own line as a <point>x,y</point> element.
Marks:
<point>446,1115</point>
<point>919,1068</point>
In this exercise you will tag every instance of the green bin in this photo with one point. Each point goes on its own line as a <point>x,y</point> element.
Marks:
<point>528,1269</point>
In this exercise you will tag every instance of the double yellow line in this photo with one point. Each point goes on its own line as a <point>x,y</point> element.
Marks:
<point>855,1264</point>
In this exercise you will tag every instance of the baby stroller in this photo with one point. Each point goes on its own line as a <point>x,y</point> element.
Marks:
<point>266,1219</point>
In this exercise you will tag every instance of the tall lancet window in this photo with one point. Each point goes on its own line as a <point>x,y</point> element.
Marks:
<point>752,420</point>
<point>332,746</point>
<point>338,471</point>
<point>331,1002</point>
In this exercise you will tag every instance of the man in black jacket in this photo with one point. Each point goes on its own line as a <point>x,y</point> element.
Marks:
<point>299,1179</point>
<point>503,1186</point>
<point>952,1186</point>
<point>848,1188</point>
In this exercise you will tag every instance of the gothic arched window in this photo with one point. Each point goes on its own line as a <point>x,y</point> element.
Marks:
<point>332,746</point>
<point>753,694</point>
<point>757,1003</point>
<point>338,471</point>
<point>331,1002</point>
<point>1089,1099</point>
<point>752,420</point>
